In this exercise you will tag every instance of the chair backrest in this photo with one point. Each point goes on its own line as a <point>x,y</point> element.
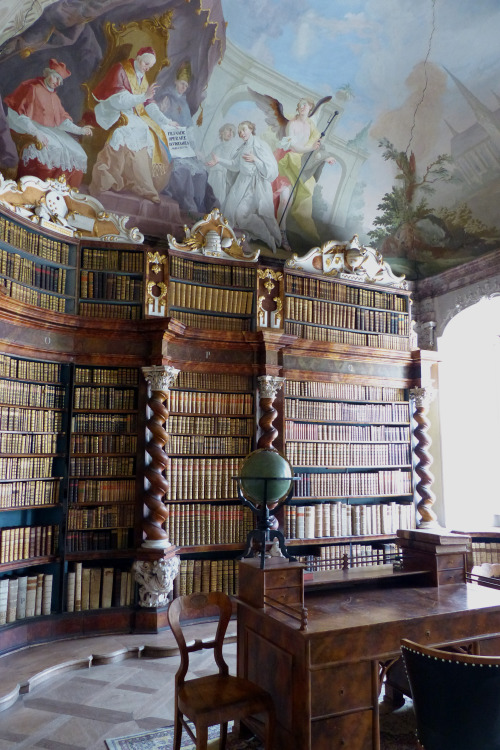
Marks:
<point>456,697</point>
<point>194,607</point>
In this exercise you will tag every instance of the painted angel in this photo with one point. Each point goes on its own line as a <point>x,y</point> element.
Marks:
<point>300,156</point>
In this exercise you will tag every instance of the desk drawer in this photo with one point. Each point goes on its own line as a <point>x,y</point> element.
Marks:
<point>349,732</point>
<point>446,562</point>
<point>340,688</point>
<point>285,596</point>
<point>283,578</point>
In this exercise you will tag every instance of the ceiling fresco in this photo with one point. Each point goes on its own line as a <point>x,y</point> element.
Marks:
<point>303,121</point>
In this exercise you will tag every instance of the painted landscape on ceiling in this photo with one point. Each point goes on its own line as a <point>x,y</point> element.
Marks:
<point>302,120</point>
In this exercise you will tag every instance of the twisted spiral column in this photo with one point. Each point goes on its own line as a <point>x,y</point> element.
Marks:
<point>160,379</point>
<point>268,386</point>
<point>422,398</point>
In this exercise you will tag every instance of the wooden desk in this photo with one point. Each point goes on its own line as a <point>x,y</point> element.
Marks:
<point>325,679</point>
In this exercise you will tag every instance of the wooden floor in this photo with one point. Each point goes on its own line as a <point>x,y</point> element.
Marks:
<point>74,694</point>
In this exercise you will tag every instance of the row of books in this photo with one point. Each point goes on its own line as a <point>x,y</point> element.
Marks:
<point>197,576</point>
<point>348,454</point>
<point>103,540</point>
<point>344,556</point>
<point>95,588</point>
<point>105,466</point>
<point>34,242</point>
<point>27,369</point>
<point>104,397</point>
<point>197,297</point>
<point>25,596</point>
<point>339,336</point>
<point>28,419</point>
<point>101,517</point>
<point>343,391</point>
<point>114,312</point>
<point>117,423</point>
<point>43,395</point>
<point>208,402</point>
<point>26,542</point>
<point>16,442</point>
<point>26,493</point>
<point>327,520</point>
<point>353,484</point>
<point>182,425</point>
<point>211,444</point>
<point>202,478</point>
<point>21,467</point>
<point>105,490</point>
<point>34,297</point>
<point>50,278</point>
<point>109,259</point>
<point>345,432</point>
<point>103,443</point>
<point>102,285</point>
<point>483,552</point>
<point>215,381</point>
<point>346,316</point>
<point>212,322</point>
<point>335,292</point>
<point>107,375</point>
<point>337,411</point>
<point>212,273</point>
<point>190,524</point>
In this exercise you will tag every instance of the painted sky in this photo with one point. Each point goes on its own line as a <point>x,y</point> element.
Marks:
<point>387,51</point>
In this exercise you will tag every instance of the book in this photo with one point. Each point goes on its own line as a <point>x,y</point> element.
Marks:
<point>107,587</point>
<point>21,597</point>
<point>31,596</point>
<point>47,593</point>
<point>38,594</point>
<point>95,587</point>
<point>70,591</point>
<point>78,586</point>
<point>4,591</point>
<point>85,588</point>
<point>12,599</point>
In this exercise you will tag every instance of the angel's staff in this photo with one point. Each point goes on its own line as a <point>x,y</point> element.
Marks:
<point>330,120</point>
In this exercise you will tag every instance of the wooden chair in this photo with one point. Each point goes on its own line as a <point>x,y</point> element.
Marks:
<point>456,698</point>
<point>219,697</point>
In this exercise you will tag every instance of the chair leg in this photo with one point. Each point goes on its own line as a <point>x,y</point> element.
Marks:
<point>223,736</point>
<point>269,731</point>
<point>177,730</point>
<point>201,738</point>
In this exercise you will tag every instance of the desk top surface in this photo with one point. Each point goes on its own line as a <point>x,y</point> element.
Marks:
<point>335,611</point>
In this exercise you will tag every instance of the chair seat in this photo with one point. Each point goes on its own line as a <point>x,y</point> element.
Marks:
<point>215,699</point>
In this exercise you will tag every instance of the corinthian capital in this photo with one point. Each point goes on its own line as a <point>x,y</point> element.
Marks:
<point>160,377</point>
<point>269,385</point>
<point>422,397</point>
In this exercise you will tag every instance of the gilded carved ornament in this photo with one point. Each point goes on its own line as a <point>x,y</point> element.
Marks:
<point>350,261</point>
<point>214,238</point>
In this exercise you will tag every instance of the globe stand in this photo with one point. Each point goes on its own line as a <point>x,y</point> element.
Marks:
<point>258,537</point>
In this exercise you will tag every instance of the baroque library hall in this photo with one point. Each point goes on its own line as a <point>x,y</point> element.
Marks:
<point>214,387</point>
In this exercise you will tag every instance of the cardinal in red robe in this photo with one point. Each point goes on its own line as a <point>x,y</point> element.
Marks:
<point>35,112</point>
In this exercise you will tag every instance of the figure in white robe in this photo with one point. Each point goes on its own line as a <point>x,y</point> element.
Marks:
<point>249,202</point>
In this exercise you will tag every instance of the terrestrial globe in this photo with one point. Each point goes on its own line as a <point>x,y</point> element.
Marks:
<point>266,477</point>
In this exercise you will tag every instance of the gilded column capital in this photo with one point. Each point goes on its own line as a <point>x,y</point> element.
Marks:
<point>422,397</point>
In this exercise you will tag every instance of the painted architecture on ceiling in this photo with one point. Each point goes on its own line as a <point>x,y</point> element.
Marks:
<point>302,122</point>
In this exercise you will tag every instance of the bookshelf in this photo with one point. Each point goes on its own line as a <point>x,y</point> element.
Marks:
<point>37,268</point>
<point>211,426</point>
<point>111,282</point>
<point>334,310</point>
<point>34,398</point>
<point>76,446</point>
<point>102,461</point>
<point>211,294</point>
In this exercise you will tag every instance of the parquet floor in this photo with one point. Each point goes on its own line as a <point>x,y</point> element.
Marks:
<point>77,693</point>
